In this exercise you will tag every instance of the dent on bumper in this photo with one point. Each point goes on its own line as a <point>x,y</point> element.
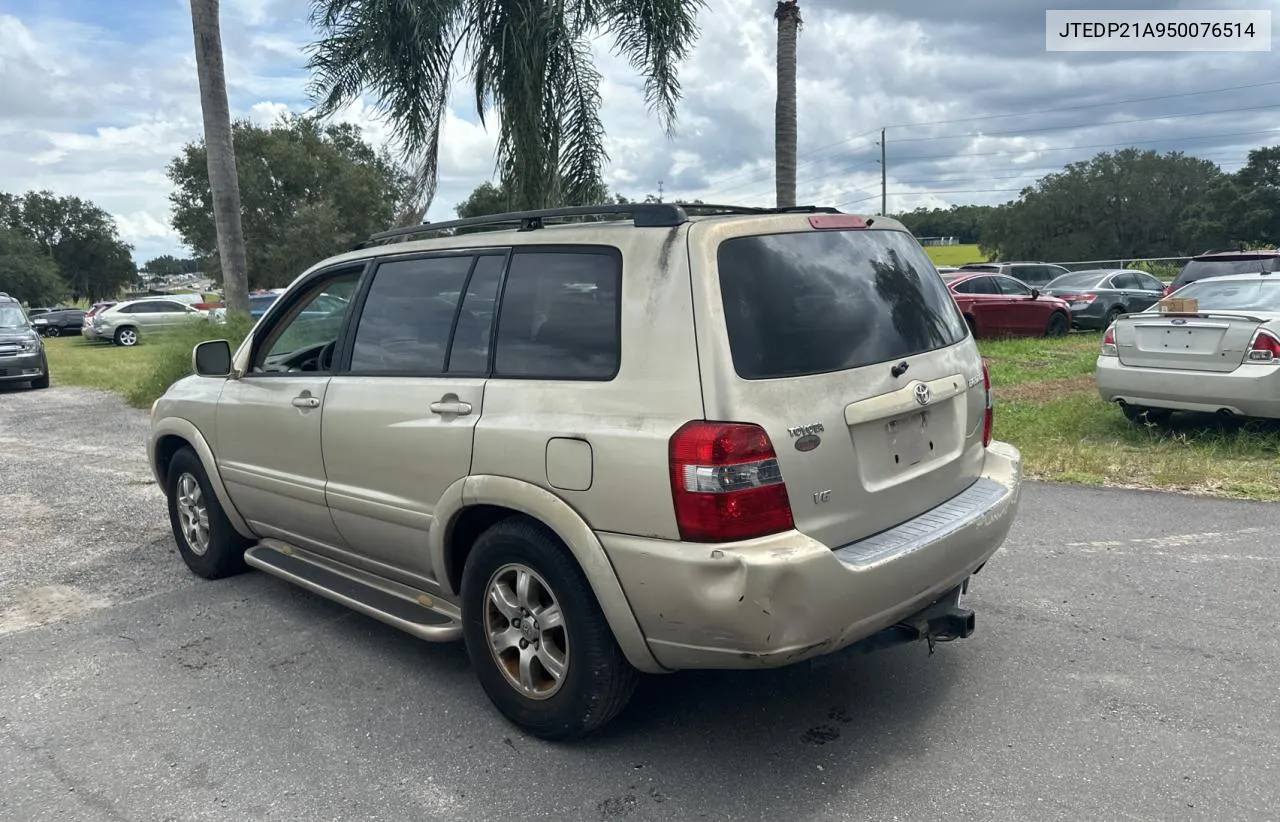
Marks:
<point>786,598</point>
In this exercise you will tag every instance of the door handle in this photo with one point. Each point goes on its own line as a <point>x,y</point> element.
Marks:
<point>306,401</point>
<point>456,408</point>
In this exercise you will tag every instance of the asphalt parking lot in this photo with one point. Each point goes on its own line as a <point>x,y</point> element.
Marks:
<point>1125,667</point>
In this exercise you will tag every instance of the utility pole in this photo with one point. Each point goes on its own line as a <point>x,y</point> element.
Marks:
<point>659,191</point>
<point>884,179</point>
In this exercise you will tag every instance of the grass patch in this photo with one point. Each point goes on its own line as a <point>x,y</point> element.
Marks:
<point>139,374</point>
<point>1040,359</point>
<point>954,254</point>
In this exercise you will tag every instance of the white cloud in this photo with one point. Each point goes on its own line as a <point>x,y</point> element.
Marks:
<point>97,107</point>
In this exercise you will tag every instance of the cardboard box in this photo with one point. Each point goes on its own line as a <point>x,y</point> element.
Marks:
<point>1179,305</point>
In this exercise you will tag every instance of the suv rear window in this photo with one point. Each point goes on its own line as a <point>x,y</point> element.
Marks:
<point>1199,269</point>
<point>822,301</point>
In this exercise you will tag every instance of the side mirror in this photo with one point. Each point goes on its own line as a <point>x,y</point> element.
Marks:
<point>212,359</point>
<point>1035,292</point>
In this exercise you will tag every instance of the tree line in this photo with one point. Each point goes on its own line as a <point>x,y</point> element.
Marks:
<point>1124,204</point>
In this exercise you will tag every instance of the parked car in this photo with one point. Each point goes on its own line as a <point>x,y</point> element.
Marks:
<point>59,321</point>
<point>947,269</point>
<point>997,306</point>
<point>125,322</point>
<point>258,305</point>
<point>1032,273</point>
<point>1223,359</point>
<point>739,440</point>
<point>1098,296</point>
<point>1223,263</point>
<point>22,355</point>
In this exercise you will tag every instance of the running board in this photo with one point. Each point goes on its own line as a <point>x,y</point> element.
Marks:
<point>414,612</point>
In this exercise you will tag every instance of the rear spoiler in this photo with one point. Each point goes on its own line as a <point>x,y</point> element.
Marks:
<point>1198,315</point>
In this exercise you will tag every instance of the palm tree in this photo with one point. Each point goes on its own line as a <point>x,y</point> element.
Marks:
<point>530,64</point>
<point>223,182</point>
<point>787,14</point>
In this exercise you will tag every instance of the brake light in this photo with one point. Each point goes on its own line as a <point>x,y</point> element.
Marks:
<point>726,483</point>
<point>837,221</point>
<point>1080,298</point>
<point>1264,347</point>
<point>1109,342</point>
<point>989,416</point>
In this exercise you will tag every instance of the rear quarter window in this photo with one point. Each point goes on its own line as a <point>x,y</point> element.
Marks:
<point>822,301</point>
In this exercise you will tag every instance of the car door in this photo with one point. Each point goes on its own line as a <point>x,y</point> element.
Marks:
<point>269,418</point>
<point>165,314</point>
<point>1024,314</point>
<point>400,417</point>
<point>987,305</point>
<point>1147,292</point>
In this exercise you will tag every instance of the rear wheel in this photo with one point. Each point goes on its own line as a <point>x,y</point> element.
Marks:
<point>1112,316</point>
<point>126,336</point>
<point>1059,325</point>
<point>538,641</point>
<point>52,331</point>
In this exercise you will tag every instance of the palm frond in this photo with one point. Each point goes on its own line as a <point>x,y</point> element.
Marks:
<point>655,36</point>
<point>582,151</point>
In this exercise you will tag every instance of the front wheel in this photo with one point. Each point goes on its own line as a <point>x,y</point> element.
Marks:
<point>537,639</point>
<point>1059,325</point>
<point>208,543</point>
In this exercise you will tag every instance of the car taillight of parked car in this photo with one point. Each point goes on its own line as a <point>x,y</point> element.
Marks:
<point>1264,348</point>
<point>1080,298</point>
<point>1109,342</point>
<point>726,483</point>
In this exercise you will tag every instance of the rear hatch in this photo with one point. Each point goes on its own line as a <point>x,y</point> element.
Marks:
<point>850,336</point>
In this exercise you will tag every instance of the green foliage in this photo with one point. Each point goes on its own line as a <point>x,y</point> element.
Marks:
<point>965,222</point>
<point>26,272</point>
<point>307,191</point>
<point>169,355</point>
<point>78,236</point>
<point>1128,203</point>
<point>168,265</point>
<point>1162,270</point>
<point>530,63</point>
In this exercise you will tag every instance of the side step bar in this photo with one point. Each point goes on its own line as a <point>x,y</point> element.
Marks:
<point>414,612</point>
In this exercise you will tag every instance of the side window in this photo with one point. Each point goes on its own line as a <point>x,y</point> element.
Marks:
<point>982,285</point>
<point>407,316</point>
<point>1011,287</point>
<point>136,308</point>
<point>469,353</point>
<point>305,335</point>
<point>559,317</point>
<point>966,286</point>
<point>168,308</point>
<point>1151,283</point>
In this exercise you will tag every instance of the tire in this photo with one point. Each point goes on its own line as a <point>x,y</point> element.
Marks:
<point>596,680</point>
<point>42,381</point>
<point>126,336</point>
<point>1059,325</point>
<point>221,554</point>
<point>1112,316</point>
<point>52,331</point>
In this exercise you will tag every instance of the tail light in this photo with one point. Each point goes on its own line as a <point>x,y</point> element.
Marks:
<point>1168,289</point>
<point>989,416</point>
<point>726,483</point>
<point>1080,298</point>
<point>1264,347</point>
<point>1109,342</point>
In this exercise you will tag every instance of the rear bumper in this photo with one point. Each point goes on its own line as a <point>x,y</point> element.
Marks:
<point>786,598</point>
<point>1089,315</point>
<point>1252,390</point>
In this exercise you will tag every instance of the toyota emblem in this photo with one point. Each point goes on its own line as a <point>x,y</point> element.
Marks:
<point>922,394</point>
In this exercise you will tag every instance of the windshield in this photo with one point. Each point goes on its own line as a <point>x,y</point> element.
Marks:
<point>822,301</point>
<point>1077,279</point>
<point>11,316</point>
<point>1232,295</point>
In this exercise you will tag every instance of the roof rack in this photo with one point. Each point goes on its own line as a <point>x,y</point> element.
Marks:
<point>643,215</point>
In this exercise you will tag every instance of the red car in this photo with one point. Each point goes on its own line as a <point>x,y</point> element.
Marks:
<point>998,306</point>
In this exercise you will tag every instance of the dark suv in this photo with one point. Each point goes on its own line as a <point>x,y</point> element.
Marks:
<point>22,356</point>
<point>1222,263</point>
<point>1034,274</point>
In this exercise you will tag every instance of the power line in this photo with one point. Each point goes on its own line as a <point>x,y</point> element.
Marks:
<point>1108,124</point>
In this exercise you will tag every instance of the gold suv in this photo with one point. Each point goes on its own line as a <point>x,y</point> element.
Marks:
<point>594,442</point>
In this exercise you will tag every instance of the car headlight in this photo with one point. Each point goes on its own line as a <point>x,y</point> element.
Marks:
<point>31,344</point>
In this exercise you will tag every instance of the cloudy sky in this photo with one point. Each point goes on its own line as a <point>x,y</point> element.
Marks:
<point>96,96</point>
